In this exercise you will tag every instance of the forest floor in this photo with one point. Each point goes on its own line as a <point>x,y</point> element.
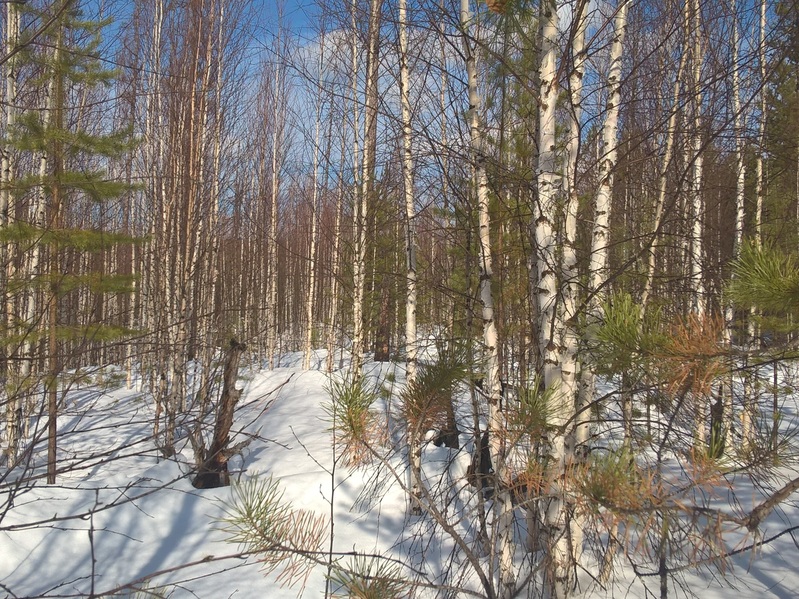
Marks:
<point>121,513</point>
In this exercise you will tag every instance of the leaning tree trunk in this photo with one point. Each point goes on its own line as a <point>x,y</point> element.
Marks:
<point>598,263</point>
<point>213,471</point>
<point>668,154</point>
<point>600,236</point>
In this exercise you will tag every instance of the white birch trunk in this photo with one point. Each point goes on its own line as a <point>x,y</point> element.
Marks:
<point>10,392</point>
<point>569,274</point>
<point>271,286</point>
<point>367,181</point>
<point>697,203</point>
<point>503,508</point>
<point>668,155</point>
<point>555,342</point>
<point>209,324</point>
<point>414,434</point>
<point>570,188</point>
<point>359,219</point>
<point>335,272</point>
<point>725,425</point>
<point>309,304</point>
<point>749,414</point>
<point>696,208</point>
<point>410,210</point>
<point>761,133</point>
<point>600,238</point>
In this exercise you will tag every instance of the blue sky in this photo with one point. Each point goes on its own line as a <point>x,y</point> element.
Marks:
<point>298,14</point>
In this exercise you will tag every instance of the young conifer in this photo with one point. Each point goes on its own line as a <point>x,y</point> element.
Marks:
<point>67,184</point>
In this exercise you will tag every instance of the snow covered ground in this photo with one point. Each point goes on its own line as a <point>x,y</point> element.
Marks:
<point>122,517</point>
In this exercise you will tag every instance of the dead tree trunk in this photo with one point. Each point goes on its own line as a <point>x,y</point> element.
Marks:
<point>213,470</point>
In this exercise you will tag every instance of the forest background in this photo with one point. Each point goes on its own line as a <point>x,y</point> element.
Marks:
<point>516,201</point>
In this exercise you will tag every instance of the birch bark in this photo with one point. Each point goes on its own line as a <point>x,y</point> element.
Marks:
<point>54,269</point>
<point>309,304</point>
<point>335,272</point>
<point>503,508</point>
<point>410,210</point>
<point>556,342</point>
<point>600,238</point>
<point>272,254</point>
<point>697,203</point>
<point>668,155</point>
<point>720,429</point>
<point>697,208</point>
<point>414,441</point>
<point>367,181</point>
<point>600,235</point>
<point>359,219</point>
<point>7,261</point>
<point>749,414</point>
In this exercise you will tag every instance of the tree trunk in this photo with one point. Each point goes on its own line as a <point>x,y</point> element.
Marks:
<point>367,181</point>
<point>697,205</point>
<point>721,427</point>
<point>749,414</point>
<point>272,253</point>
<point>668,154</point>
<point>600,238</point>
<point>54,366</point>
<point>309,304</point>
<point>213,472</point>
<point>335,273</point>
<point>503,507</point>
<point>414,442</point>
<point>557,343</point>
<point>7,260</point>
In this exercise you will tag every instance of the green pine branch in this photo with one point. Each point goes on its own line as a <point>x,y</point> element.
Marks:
<point>765,278</point>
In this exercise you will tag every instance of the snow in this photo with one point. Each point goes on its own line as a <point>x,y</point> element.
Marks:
<point>122,517</point>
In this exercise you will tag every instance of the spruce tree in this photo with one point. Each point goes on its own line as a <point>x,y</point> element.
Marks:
<point>73,179</point>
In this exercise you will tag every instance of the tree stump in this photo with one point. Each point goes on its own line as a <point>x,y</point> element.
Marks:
<point>213,471</point>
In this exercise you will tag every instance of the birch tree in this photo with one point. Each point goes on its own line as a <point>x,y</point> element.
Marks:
<point>367,171</point>
<point>600,235</point>
<point>695,157</point>
<point>697,160</point>
<point>553,293</point>
<point>407,183</point>
<point>7,210</point>
<point>414,440</point>
<point>491,385</point>
<point>600,239</point>
<point>721,422</point>
<point>278,122</point>
<point>309,305</point>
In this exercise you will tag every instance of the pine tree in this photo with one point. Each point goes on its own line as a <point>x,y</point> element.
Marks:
<point>73,174</point>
